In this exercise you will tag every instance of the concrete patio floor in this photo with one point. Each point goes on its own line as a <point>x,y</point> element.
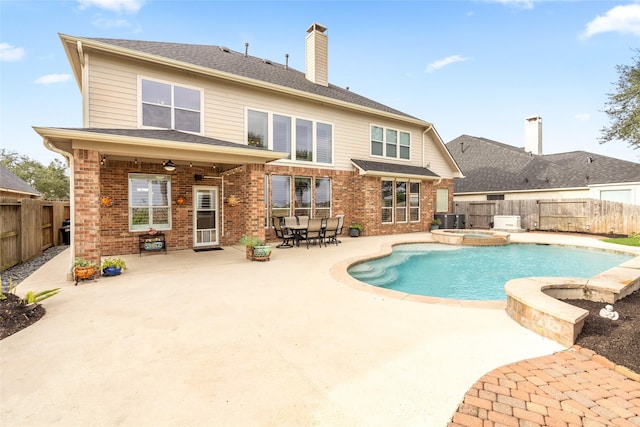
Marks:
<point>210,338</point>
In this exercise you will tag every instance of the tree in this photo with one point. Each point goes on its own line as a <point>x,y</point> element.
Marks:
<point>52,180</point>
<point>623,106</point>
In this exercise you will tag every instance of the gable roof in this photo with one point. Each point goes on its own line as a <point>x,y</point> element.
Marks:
<point>224,63</point>
<point>13,183</point>
<point>491,166</point>
<point>368,167</point>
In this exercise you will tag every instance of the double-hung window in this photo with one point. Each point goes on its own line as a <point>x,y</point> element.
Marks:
<point>442,200</point>
<point>302,199</point>
<point>258,129</point>
<point>387,202</point>
<point>390,143</point>
<point>304,140</point>
<point>323,197</point>
<point>170,106</point>
<point>414,201</point>
<point>149,202</point>
<point>280,195</point>
<point>401,201</point>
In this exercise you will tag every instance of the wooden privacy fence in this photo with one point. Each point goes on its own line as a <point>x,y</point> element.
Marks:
<point>574,215</point>
<point>29,226</point>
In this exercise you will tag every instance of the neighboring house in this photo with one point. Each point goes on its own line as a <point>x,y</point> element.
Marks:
<point>496,171</point>
<point>12,186</point>
<point>207,144</point>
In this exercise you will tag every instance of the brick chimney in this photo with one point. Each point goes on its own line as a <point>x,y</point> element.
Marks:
<point>533,135</point>
<point>317,51</point>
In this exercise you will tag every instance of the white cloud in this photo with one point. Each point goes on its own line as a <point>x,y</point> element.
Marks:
<point>524,4</point>
<point>622,19</point>
<point>120,6</point>
<point>440,63</point>
<point>52,78</point>
<point>101,22</point>
<point>583,117</point>
<point>10,53</point>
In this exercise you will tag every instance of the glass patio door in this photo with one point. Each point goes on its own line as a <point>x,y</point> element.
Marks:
<point>205,216</point>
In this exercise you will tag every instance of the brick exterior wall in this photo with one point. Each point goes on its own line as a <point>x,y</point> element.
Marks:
<point>104,230</point>
<point>86,190</point>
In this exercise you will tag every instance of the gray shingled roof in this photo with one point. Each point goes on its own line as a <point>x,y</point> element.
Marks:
<point>10,181</point>
<point>369,166</point>
<point>229,61</point>
<point>168,135</point>
<point>491,166</point>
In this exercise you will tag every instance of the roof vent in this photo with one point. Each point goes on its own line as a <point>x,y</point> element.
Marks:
<point>246,49</point>
<point>267,61</point>
<point>589,159</point>
<point>224,49</point>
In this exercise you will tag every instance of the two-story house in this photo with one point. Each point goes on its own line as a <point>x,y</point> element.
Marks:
<point>207,144</point>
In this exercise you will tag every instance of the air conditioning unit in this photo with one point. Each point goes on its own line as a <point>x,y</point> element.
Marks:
<point>507,223</point>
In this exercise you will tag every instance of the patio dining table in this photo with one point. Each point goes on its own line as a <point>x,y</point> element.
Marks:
<point>296,230</point>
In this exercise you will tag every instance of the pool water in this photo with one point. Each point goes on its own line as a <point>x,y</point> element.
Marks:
<point>478,273</point>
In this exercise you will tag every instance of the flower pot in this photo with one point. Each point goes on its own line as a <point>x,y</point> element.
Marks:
<point>261,253</point>
<point>435,226</point>
<point>84,272</point>
<point>111,271</point>
<point>354,232</point>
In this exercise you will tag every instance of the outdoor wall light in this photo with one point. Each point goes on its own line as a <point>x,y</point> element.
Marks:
<point>169,166</point>
<point>103,160</point>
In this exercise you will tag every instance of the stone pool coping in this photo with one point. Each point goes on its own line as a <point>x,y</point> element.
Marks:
<point>536,302</point>
<point>457,237</point>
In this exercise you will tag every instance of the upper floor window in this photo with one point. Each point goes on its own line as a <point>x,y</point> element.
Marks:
<point>304,140</point>
<point>390,143</point>
<point>169,106</point>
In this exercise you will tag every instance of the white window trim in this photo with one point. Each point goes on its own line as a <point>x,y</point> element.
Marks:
<point>314,132</point>
<point>148,177</point>
<point>384,143</point>
<point>419,200</point>
<point>172,84</point>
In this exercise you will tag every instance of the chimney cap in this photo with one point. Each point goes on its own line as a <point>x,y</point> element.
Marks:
<point>316,27</point>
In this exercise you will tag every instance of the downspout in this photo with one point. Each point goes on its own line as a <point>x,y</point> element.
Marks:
<point>72,204</point>
<point>439,180</point>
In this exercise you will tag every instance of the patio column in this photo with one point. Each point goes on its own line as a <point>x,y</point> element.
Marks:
<point>86,215</point>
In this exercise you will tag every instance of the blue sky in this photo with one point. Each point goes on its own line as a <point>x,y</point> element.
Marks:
<point>470,67</point>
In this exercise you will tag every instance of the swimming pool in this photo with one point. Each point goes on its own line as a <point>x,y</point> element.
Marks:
<point>477,273</point>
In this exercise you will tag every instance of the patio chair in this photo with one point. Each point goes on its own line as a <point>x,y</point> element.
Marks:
<point>340,227</point>
<point>331,231</point>
<point>302,219</point>
<point>282,233</point>
<point>313,232</point>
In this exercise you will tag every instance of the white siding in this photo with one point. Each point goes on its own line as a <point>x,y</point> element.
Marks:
<point>113,86</point>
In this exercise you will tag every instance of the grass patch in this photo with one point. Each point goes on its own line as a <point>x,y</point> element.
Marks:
<point>632,240</point>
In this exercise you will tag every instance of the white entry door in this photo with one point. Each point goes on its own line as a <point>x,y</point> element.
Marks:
<point>205,216</point>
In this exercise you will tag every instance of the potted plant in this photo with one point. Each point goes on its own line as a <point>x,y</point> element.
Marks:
<point>113,266</point>
<point>257,250</point>
<point>436,223</point>
<point>83,269</point>
<point>355,229</point>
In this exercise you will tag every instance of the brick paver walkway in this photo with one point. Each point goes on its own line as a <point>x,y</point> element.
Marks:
<point>571,388</point>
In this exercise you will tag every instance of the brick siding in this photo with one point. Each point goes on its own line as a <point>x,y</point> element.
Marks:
<point>104,230</point>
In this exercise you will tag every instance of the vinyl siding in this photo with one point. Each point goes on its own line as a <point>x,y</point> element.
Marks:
<point>113,103</point>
